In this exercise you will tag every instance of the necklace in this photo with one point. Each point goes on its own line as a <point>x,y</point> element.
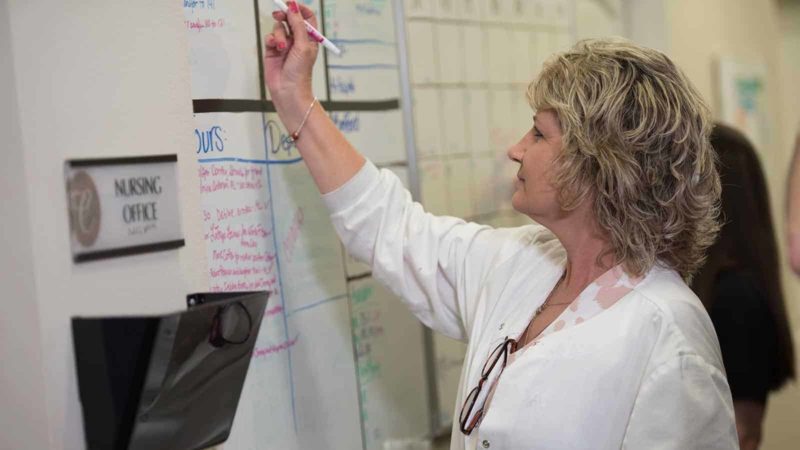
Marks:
<point>542,307</point>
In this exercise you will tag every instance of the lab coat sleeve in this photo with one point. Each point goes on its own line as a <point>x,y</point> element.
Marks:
<point>435,264</point>
<point>685,403</point>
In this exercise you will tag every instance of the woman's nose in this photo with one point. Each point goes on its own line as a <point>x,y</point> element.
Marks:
<point>514,153</point>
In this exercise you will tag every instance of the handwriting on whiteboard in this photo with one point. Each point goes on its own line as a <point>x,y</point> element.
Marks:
<point>219,177</point>
<point>200,4</point>
<point>346,122</point>
<point>210,140</point>
<point>192,8</point>
<point>228,213</point>
<point>273,349</point>
<point>342,85</point>
<point>290,241</point>
<point>278,140</point>
<point>202,24</point>
<point>236,227</point>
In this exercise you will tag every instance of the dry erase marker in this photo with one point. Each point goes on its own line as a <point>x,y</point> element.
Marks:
<point>316,35</point>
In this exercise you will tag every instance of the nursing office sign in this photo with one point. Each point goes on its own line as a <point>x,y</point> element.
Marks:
<point>122,206</point>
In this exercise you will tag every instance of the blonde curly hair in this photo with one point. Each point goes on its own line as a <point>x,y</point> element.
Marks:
<point>635,136</point>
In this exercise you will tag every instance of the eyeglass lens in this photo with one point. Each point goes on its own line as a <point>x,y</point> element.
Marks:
<point>232,325</point>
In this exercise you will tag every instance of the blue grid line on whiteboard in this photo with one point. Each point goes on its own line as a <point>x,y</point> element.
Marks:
<point>249,161</point>
<point>362,66</point>
<point>280,278</point>
<point>263,105</point>
<point>315,304</point>
<point>363,42</point>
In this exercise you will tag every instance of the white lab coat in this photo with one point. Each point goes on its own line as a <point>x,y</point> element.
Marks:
<point>643,374</point>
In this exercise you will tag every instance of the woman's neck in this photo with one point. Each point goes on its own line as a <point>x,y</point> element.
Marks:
<point>586,261</point>
<point>588,250</point>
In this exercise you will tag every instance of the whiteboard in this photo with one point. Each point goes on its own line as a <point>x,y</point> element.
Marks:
<point>340,362</point>
<point>470,62</point>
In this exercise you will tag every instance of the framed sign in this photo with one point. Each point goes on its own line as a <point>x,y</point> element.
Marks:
<point>742,97</point>
<point>122,206</point>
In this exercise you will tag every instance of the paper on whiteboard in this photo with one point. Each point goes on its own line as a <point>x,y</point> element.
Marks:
<point>367,68</point>
<point>242,256</point>
<point>390,376</point>
<point>222,49</point>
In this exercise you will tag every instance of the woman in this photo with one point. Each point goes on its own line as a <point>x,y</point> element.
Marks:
<point>741,287</point>
<point>581,331</point>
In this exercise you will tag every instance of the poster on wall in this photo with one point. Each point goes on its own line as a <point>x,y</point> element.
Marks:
<point>742,98</point>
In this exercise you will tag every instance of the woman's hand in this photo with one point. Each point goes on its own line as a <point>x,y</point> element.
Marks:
<point>288,62</point>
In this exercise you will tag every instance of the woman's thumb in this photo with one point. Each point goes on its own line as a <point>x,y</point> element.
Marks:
<point>297,25</point>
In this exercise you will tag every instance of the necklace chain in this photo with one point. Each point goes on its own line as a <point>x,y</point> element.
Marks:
<point>544,306</point>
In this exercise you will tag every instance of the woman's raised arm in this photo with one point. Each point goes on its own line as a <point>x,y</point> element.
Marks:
<point>288,61</point>
<point>436,264</point>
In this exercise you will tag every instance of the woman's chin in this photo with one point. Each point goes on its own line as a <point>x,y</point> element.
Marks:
<point>516,203</point>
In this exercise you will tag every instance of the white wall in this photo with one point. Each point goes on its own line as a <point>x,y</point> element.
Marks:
<point>92,79</point>
<point>594,19</point>
<point>23,412</point>
<point>645,22</point>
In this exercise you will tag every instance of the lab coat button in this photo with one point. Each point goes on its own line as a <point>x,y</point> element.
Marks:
<point>485,443</point>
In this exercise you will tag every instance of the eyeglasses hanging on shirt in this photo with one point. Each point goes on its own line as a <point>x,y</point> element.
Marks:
<point>470,417</point>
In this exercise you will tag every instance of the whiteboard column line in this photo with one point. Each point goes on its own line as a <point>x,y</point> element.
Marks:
<point>406,100</point>
<point>359,395</point>
<point>284,312</point>
<point>414,187</point>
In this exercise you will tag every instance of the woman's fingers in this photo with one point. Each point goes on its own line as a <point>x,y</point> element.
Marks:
<point>276,45</point>
<point>305,11</point>
<point>273,62</point>
<point>270,42</point>
<point>270,51</point>
<point>280,16</point>
<point>297,26</point>
<point>290,54</point>
<point>281,38</point>
<point>308,15</point>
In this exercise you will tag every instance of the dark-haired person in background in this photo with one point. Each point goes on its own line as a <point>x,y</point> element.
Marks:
<point>740,285</point>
